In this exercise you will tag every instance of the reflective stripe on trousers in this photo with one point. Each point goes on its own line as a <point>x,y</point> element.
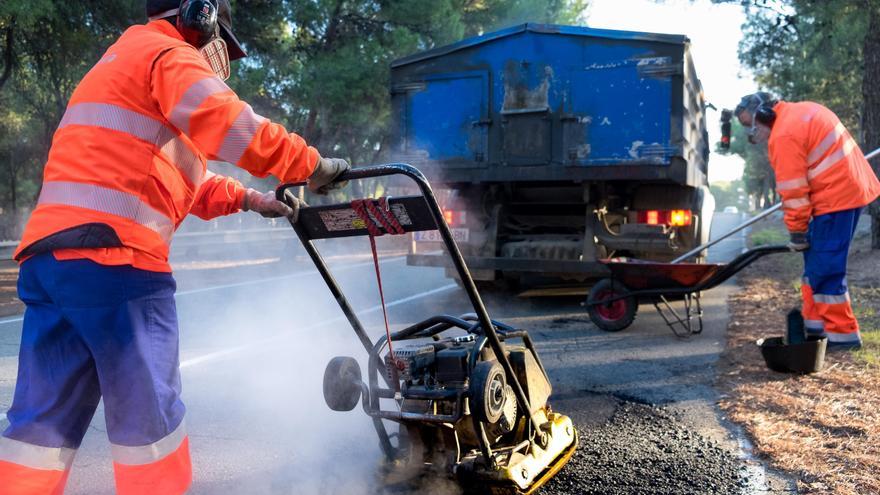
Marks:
<point>812,320</point>
<point>826,301</point>
<point>27,469</point>
<point>160,467</point>
<point>94,332</point>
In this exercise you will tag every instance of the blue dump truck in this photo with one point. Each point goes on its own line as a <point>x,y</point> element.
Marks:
<point>555,146</point>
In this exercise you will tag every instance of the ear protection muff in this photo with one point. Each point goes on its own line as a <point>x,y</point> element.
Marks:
<point>765,115</point>
<point>197,21</point>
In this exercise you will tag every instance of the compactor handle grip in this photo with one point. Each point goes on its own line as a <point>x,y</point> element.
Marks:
<point>369,172</point>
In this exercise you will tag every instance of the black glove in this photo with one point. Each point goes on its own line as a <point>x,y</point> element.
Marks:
<point>327,169</point>
<point>798,241</point>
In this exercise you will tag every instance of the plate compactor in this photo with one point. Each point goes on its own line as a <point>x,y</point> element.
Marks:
<point>458,397</point>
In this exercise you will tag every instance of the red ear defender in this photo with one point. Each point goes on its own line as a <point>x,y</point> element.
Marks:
<point>197,21</point>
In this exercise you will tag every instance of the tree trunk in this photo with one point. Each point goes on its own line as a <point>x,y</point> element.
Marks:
<point>8,53</point>
<point>308,132</point>
<point>13,183</point>
<point>871,110</point>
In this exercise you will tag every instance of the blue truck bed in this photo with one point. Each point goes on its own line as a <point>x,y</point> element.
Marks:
<point>543,102</point>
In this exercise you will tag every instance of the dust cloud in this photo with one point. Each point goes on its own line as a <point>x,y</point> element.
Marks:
<point>253,359</point>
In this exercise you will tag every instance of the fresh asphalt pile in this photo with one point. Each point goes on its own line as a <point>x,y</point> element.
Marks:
<point>638,449</point>
<point>644,449</point>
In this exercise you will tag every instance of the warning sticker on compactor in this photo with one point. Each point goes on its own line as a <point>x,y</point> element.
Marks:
<point>346,219</point>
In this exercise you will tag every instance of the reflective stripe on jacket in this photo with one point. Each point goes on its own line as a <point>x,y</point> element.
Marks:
<point>131,149</point>
<point>819,167</point>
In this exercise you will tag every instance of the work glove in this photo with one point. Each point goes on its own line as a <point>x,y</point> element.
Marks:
<point>798,241</point>
<point>327,169</point>
<point>266,205</point>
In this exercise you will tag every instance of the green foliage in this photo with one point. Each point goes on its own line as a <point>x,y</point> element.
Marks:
<point>869,321</point>
<point>825,51</point>
<point>768,236</point>
<point>320,67</point>
<point>758,177</point>
<point>729,194</point>
<point>809,50</point>
<point>45,48</point>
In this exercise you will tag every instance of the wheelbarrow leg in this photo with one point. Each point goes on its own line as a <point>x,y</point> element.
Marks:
<point>684,322</point>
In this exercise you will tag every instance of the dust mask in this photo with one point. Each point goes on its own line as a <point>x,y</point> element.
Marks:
<point>217,56</point>
<point>758,133</point>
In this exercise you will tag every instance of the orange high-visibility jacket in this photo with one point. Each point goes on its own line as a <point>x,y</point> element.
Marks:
<point>819,167</point>
<point>130,152</point>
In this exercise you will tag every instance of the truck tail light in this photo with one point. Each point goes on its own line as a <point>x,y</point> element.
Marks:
<point>673,218</point>
<point>679,218</point>
<point>454,218</point>
<point>449,216</point>
<point>652,217</point>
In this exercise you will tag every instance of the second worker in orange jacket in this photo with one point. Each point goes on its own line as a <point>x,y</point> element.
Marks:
<point>825,182</point>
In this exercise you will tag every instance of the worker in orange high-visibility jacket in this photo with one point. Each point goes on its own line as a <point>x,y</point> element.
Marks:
<point>127,165</point>
<point>825,182</point>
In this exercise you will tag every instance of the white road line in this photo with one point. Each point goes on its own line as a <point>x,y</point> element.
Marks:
<point>253,282</point>
<point>226,352</point>
<point>12,320</point>
<point>284,277</point>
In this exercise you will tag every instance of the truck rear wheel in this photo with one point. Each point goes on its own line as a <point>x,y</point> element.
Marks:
<point>616,314</point>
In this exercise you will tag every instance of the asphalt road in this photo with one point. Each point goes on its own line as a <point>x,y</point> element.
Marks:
<point>253,354</point>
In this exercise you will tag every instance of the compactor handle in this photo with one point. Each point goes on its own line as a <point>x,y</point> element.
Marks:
<point>452,250</point>
<point>370,172</point>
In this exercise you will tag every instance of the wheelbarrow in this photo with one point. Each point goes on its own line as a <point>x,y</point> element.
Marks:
<point>613,302</point>
<point>462,397</point>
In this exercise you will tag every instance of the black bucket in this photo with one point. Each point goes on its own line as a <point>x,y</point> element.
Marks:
<point>804,357</point>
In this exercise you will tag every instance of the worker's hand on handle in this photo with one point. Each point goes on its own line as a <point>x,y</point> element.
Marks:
<point>266,205</point>
<point>798,241</point>
<point>327,169</point>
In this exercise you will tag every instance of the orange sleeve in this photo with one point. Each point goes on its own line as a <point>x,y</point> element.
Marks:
<point>222,126</point>
<point>218,196</point>
<point>789,160</point>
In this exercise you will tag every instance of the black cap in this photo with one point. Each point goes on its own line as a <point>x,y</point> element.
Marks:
<point>752,101</point>
<point>224,19</point>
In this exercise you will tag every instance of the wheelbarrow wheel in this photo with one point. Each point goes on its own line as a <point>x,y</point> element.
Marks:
<point>615,315</point>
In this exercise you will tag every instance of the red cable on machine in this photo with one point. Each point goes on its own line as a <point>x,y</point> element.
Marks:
<point>376,218</point>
